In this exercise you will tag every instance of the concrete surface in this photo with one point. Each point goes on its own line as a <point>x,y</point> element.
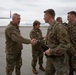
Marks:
<point>26,53</point>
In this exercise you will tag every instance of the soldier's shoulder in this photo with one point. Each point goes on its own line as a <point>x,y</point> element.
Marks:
<point>60,26</point>
<point>57,25</point>
<point>9,27</point>
<point>31,30</point>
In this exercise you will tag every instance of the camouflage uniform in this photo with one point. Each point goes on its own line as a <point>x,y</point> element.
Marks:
<point>37,52</point>
<point>72,57</point>
<point>58,40</point>
<point>14,46</point>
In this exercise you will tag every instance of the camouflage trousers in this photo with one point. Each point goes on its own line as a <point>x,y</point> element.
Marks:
<point>37,56</point>
<point>73,62</point>
<point>55,67</point>
<point>13,61</point>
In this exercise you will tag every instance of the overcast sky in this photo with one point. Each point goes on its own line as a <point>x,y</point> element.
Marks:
<point>31,10</point>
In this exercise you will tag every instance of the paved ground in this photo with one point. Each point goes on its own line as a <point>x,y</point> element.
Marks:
<point>26,53</point>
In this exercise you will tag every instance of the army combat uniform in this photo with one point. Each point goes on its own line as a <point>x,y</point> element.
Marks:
<point>37,52</point>
<point>14,46</point>
<point>72,58</point>
<point>58,40</point>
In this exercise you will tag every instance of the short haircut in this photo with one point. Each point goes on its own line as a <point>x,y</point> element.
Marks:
<point>36,22</point>
<point>58,18</point>
<point>51,12</point>
<point>15,14</point>
<point>72,12</point>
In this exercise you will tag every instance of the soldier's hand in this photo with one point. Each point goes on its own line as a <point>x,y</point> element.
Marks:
<point>48,52</point>
<point>34,41</point>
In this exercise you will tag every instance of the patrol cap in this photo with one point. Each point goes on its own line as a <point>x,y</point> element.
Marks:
<point>36,22</point>
<point>51,12</point>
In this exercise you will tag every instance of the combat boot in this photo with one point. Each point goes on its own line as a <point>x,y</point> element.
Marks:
<point>8,72</point>
<point>17,71</point>
<point>34,71</point>
<point>41,68</point>
<point>17,74</point>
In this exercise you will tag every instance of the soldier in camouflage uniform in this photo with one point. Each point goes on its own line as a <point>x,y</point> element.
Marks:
<point>71,17</point>
<point>59,19</point>
<point>58,42</point>
<point>37,52</point>
<point>14,46</point>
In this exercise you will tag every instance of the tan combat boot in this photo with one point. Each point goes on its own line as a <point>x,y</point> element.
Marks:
<point>41,68</point>
<point>34,71</point>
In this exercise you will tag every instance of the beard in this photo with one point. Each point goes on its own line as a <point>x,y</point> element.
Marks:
<point>46,21</point>
<point>18,23</point>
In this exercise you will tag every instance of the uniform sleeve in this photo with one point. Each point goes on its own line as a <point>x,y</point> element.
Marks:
<point>41,35</point>
<point>64,43</point>
<point>72,33</point>
<point>17,37</point>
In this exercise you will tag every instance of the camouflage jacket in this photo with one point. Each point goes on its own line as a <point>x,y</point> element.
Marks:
<point>57,39</point>
<point>72,33</point>
<point>14,39</point>
<point>37,34</point>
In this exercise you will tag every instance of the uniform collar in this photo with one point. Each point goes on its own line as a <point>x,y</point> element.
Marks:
<point>52,24</point>
<point>14,24</point>
<point>36,29</point>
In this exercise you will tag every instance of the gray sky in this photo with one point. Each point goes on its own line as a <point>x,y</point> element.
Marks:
<point>31,10</point>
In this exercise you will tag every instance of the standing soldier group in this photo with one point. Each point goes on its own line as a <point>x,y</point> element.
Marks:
<point>61,42</point>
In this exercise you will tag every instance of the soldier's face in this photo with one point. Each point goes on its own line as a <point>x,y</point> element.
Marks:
<point>70,17</point>
<point>37,26</point>
<point>46,17</point>
<point>16,20</point>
